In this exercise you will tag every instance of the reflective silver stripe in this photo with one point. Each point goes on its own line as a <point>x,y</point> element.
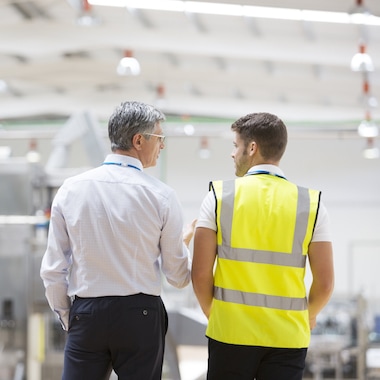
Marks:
<point>227,211</point>
<point>261,300</point>
<point>295,258</point>
<point>303,212</point>
<point>263,257</point>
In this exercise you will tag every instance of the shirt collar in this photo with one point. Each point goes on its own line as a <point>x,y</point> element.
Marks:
<point>268,168</point>
<point>124,160</point>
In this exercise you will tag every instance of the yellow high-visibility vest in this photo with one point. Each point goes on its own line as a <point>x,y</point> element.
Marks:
<point>265,224</point>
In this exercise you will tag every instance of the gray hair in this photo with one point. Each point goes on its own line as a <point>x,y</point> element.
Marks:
<point>130,118</point>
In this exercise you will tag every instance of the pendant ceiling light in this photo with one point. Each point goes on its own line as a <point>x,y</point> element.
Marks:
<point>160,97</point>
<point>371,151</point>
<point>362,62</point>
<point>204,149</point>
<point>86,15</point>
<point>128,65</point>
<point>368,129</point>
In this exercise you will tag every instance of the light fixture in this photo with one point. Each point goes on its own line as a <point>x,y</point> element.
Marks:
<point>86,16</point>
<point>367,128</point>
<point>5,152</point>
<point>128,65</point>
<point>360,11</point>
<point>160,98</point>
<point>204,150</point>
<point>369,100</point>
<point>188,129</point>
<point>361,61</point>
<point>372,102</point>
<point>371,151</point>
<point>33,156</point>
<point>3,86</point>
<point>242,11</point>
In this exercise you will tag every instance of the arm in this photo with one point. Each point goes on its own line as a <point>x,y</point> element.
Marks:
<point>174,240</point>
<point>322,269</point>
<point>203,264</point>
<point>188,232</point>
<point>55,267</point>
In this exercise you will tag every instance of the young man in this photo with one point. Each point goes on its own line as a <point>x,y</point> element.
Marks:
<point>113,230</point>
<point>260,228</point>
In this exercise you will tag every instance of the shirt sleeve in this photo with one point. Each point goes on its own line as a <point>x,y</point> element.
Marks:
<point>322,226</point>
<point>55,267</point>
<point>175,256</point>
<point>206,216</point>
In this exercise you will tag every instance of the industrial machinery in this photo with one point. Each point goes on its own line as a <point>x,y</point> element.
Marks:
<point>344,345</point>
<point>31,339</point>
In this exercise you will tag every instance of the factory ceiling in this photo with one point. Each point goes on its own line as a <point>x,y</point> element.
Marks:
<point>54,63</point>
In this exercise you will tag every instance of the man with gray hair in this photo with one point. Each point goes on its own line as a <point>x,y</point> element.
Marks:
<point>113,230</point>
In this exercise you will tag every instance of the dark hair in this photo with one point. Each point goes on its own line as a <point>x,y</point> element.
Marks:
<point>130,118</point>
<point>267,130</point>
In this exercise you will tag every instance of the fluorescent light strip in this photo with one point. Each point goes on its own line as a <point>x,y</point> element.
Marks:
<point>214,8</point>
<point>243,10</point>
<point>159,5</point>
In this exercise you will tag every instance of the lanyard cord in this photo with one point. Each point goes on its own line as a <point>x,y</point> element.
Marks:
<point>265,172</point>
<point>121,164</point>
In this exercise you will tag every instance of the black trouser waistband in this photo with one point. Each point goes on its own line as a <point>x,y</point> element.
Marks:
<point>110,297</point>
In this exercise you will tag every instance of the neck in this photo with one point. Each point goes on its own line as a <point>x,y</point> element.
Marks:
<point>129,153</point>
<point>261,161</point>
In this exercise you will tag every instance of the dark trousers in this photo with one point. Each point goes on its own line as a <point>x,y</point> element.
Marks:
<point>126,334</point>
<point>234,362</point>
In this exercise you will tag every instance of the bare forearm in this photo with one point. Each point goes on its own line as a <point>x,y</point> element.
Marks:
<point>322,268</point>
<point>203,290</point>
<point>202,269</point>
<point>188,232</point>
<point>318,298</point>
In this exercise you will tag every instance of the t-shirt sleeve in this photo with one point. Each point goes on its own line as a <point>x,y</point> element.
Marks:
<point>322,230</point>
<point>206,216</point>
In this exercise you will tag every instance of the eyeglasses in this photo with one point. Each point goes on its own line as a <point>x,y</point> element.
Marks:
<point>161,138</point>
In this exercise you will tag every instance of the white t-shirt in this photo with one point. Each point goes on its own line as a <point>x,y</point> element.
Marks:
<point>207,211</point>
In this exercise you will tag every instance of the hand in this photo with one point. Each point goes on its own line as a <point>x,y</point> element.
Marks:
<point>188,232</point>
<point>312,322</point>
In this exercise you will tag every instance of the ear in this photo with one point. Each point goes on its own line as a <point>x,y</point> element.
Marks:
<point>137,141</point>
<point>252,148</point>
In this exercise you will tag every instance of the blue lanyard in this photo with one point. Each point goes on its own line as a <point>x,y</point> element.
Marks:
<point>121,164</point>
<point>265,172</point>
